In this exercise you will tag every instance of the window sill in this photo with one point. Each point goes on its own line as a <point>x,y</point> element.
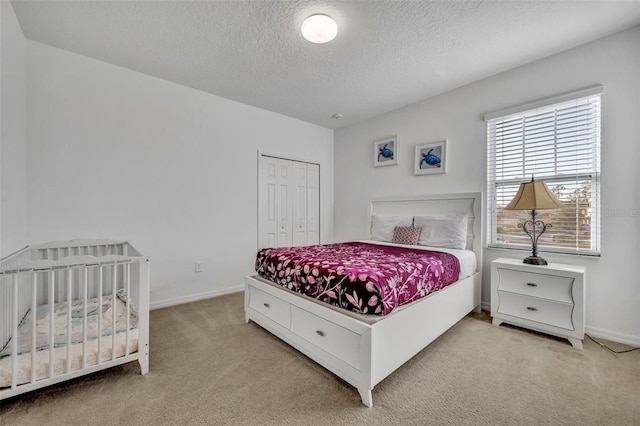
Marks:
<point>545,251</point>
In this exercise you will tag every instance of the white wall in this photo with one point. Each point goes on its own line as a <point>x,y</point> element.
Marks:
<point>118,154</point>
<point>13,146</point>
<point>613,284</point>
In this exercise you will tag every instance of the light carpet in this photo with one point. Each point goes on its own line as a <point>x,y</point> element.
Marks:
<point>209,367</point>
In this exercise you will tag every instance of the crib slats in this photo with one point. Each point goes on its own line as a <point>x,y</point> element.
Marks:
<point>69,308</point>
<point>128,303</point>
<point>100,284</point>
<point>113,311</point>
<point>85,324</point>
<point>52,287</point>
<point>14,331</point>
<point>34,307</point>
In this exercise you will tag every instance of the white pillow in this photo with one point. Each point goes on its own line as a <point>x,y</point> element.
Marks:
<point>382,226</point>
<point>446,231</point>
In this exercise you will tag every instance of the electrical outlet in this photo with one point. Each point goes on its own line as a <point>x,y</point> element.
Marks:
<point>198,267</point>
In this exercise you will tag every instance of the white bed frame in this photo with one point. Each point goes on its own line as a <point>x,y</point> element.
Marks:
<point>364,353</point>
<point>64,271</point>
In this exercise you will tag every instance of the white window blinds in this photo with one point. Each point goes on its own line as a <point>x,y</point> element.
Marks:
<point>556,141</point>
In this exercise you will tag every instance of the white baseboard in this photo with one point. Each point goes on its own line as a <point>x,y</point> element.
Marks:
<point>157,304</point>
<point>613,336</point>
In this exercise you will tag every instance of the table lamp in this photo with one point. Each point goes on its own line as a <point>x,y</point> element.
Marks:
<point>534,196</point>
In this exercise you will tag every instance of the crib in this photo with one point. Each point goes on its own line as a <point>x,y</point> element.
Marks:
<point>70,308</point>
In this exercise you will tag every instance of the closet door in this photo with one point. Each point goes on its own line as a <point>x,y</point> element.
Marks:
<point>313,204</point>
<point>275,202</point>
<point>288,203</point>
<point>299,204</point>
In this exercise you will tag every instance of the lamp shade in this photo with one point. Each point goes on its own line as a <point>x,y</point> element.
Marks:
<point>534,195</point>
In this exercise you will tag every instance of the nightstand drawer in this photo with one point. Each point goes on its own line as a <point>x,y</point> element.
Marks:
<point>534,309</point>
<point>540,285</point>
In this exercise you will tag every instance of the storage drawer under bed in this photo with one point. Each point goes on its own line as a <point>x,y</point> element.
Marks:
<point>270,306</point>
<point>332,338</point>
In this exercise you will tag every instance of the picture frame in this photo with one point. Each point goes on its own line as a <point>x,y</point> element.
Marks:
<point>430,158</point>
<point>385,152</point>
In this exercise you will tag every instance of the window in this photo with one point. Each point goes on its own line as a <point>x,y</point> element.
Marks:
<point>558,141</point>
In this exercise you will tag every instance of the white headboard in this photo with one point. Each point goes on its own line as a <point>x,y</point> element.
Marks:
<point>470,203</point>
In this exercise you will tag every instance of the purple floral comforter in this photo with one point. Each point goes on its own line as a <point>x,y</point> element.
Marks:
<point>364,278</point>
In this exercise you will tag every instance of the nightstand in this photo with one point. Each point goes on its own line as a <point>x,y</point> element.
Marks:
<point>549,298</point>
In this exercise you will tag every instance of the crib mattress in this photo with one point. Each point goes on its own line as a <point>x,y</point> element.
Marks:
<point>98,316</point>
<point>60,358</point>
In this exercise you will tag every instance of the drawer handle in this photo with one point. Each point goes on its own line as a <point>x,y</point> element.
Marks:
<point>320,333</point>
<point>532,284</point>
<point>266,305</point>
<point>531,308</point>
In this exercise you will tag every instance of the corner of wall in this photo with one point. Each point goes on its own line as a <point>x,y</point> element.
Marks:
<point>13,142</point>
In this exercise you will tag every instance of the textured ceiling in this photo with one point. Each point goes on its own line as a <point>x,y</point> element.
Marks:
<point>387,53</point>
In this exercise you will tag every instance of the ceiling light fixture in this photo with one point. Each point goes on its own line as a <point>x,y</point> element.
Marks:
<point>319,29</point>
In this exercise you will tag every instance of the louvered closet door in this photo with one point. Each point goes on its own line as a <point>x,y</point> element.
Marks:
<point>288,203</point>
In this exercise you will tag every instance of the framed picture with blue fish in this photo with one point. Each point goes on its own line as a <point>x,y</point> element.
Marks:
<point>385,152</point>
<point>431,158</point>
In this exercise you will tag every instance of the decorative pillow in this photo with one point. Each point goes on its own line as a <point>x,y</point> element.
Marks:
<point>406,235</point>
<point>446,231</point>
<point>382,226</point>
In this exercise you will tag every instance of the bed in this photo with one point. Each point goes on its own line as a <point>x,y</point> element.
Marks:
<point>70,308</point>
<point>361,348</point>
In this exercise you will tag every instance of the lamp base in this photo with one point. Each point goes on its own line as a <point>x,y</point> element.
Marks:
<point>535,260</point>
